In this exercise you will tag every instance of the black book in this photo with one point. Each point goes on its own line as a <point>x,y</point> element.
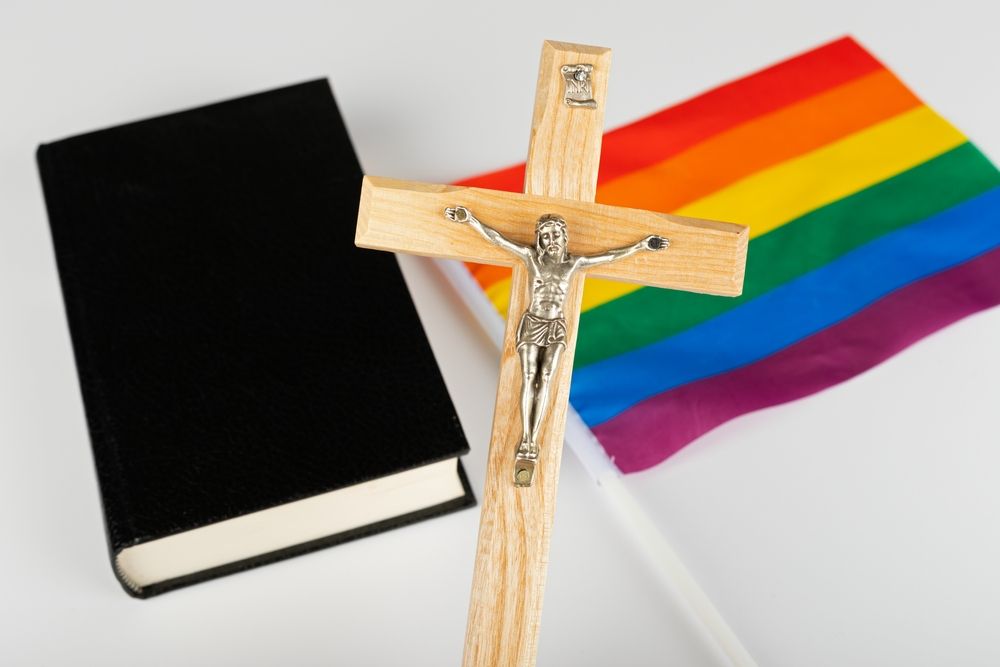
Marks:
<point>255,386</point>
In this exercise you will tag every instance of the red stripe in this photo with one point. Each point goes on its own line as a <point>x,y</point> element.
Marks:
<point>664,134</point>
<point>656,428</point>
<point>510,179</point>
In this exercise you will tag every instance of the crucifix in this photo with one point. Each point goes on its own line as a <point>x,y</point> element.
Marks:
<point>551,235</point>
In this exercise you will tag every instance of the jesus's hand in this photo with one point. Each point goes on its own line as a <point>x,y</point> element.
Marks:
<point>655,243</point>
<point>458,214</point>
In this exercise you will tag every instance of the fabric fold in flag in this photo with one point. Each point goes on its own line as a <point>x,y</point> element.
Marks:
<point>819,237</point>
<point>659,427</point>
<point>791,312</point>
<point>873,222</point>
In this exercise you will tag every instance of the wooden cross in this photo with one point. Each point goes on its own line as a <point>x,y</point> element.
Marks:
<point>560,178</point>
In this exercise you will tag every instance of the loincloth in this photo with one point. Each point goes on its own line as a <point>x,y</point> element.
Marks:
<point>540,331</point>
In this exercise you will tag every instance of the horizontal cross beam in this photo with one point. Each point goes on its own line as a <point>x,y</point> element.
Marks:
<point>407,216</point>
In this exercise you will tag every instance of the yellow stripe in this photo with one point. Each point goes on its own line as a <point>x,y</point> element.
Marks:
<point>499,294</point>
<point>769,198</point>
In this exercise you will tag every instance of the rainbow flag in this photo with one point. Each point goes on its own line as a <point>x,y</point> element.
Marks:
<point>873,223</point>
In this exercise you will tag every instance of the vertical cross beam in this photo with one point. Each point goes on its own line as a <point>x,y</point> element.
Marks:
<point>516,522</point>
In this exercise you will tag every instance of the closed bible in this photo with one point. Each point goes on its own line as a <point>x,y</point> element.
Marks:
<point>255,386</point>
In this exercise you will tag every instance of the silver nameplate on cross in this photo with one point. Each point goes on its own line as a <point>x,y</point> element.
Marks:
<point>579,92</point>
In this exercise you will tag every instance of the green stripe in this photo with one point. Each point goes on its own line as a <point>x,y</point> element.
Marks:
<point>806,243</point>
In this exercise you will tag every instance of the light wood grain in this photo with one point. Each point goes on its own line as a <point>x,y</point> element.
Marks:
<point>406,216</point>
<point>515,525</point>
<point>516,522</point>
<point>565,145</point>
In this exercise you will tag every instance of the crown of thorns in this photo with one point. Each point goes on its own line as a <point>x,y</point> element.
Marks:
<point>550,219</point>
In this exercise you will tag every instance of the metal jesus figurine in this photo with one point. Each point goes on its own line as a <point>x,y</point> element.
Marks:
<point>541,334</point>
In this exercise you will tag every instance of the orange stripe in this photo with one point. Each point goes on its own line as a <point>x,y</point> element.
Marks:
<point>779,136</point>
<point>487,274</point>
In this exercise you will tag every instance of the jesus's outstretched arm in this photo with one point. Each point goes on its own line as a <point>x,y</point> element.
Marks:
<point>464,216</point>
<point>653,243</point>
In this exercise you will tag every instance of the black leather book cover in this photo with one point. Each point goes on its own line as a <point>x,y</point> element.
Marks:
<point>235,350</point>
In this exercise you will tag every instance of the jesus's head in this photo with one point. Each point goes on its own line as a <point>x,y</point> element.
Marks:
<point>550,236</point>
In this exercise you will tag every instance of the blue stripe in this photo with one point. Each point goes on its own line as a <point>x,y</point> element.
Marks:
<point>790,312</point>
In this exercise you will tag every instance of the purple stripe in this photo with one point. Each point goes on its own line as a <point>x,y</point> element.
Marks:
<point>656,428</point>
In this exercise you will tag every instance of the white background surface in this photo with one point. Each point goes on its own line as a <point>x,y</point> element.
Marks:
<point>857,527</point>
